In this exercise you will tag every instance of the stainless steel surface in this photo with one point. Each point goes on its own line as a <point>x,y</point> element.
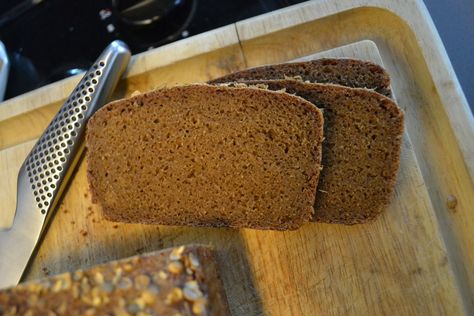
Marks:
<point>4,68</point>
<point>45,172</point>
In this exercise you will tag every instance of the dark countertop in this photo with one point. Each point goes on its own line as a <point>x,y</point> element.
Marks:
<point>453,19</point>
<point>455,23</point>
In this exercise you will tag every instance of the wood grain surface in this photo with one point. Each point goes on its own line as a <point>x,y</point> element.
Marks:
<point>416,259</point>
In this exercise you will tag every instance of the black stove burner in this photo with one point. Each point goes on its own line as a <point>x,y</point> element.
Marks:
<point>48,40</point>
<point>151,23</point>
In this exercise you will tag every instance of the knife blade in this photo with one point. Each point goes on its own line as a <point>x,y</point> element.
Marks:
<point>47,168</point>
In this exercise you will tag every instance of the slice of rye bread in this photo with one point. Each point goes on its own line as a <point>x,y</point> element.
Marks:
<point>347,72</point>
<point>361,149</point>
<point>205,155</point>
<point>177,281</point>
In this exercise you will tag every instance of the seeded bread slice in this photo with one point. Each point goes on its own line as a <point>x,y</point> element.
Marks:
<point>204,155</point>
<point>347,72</point>
<point>178,281</point>
<point>361,149</point>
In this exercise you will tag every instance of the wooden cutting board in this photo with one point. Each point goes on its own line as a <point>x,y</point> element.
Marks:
<point>416,259</point>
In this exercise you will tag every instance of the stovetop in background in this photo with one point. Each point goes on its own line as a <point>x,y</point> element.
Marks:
<point>48,40</point>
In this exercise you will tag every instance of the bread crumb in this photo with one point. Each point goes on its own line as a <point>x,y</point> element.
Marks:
<point>45,271</point>
<point>135,93</point>
<point>90,212</point>
<point>451,202</point>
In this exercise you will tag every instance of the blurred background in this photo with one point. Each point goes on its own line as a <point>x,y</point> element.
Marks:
<point>48,40</point>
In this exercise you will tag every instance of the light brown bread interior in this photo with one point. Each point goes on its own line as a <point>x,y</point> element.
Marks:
<point>361,149</point>
<point>204,155</point>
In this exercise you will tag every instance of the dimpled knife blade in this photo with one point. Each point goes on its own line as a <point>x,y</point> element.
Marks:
<point>48,166</point>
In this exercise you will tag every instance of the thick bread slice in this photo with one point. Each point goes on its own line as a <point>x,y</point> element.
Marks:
<point>347,72</point>
<point>205,155</point>
<point>178,281</point>
<point>361,149</point>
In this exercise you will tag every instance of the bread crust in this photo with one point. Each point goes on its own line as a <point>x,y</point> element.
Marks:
<point>343,71</point>
<point>180,280</point>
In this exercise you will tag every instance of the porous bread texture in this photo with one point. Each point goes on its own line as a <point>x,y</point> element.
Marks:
<point>343,71</point>
<point>363,132</point>
<point>203,155</point>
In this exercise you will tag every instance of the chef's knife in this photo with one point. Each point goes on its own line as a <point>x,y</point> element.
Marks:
<point>45,171</point>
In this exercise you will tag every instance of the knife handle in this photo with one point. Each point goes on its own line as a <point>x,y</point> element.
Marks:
<point>54,156</point>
